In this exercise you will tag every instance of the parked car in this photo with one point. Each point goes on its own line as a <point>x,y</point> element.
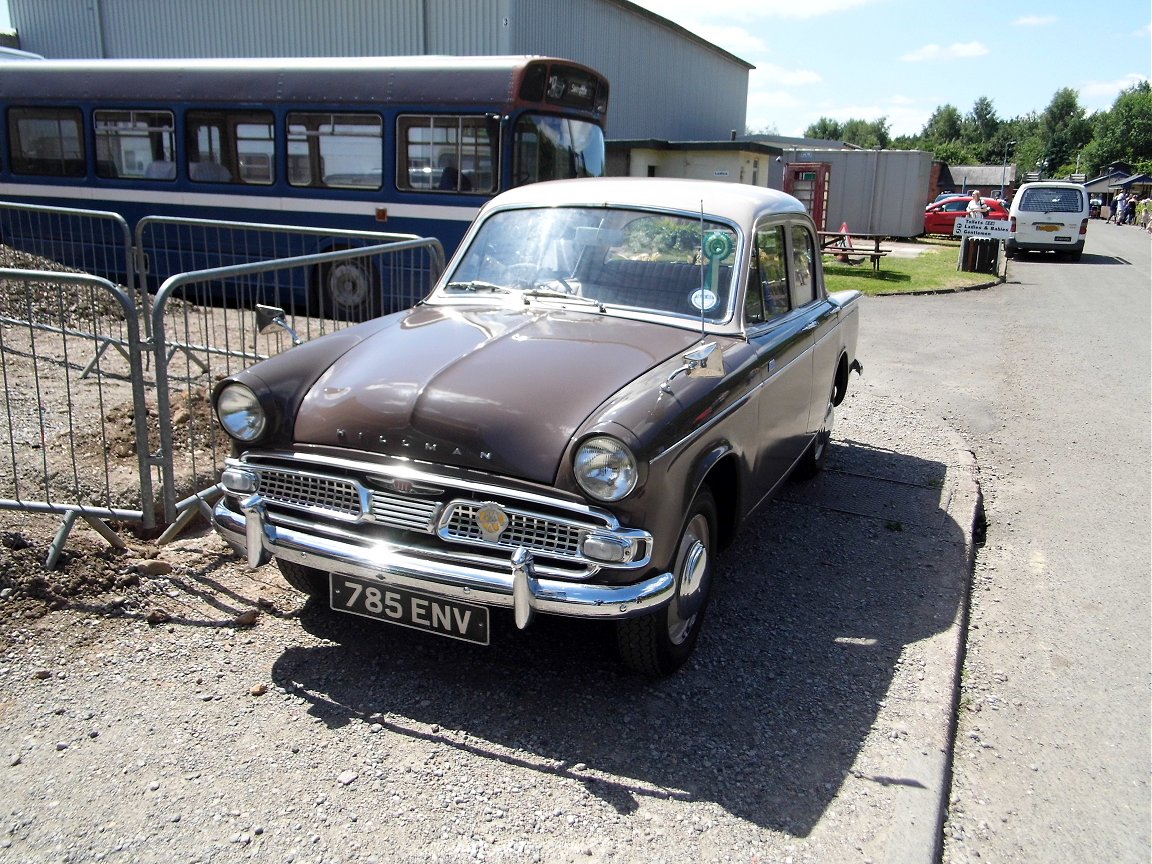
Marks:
<point>940,217</point>
<point>610,377</point>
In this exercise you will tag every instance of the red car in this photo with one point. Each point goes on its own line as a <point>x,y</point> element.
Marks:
<point>940,217</point>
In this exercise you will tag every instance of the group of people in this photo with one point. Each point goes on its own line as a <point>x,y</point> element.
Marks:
<point>1128,209</point>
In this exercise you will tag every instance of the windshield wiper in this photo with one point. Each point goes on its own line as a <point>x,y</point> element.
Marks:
<point>477,285</point>
<point>558,295</point>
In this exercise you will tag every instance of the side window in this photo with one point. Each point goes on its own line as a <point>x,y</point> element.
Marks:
<point>135,144</point>
<point>804,288</point>
<point>230,147</point>
<point>445,154</point>
<point>46,141</point>
<point>767,296</point>
<point>336,150</point>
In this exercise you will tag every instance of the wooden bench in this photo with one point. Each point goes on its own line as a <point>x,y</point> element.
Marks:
<point>840,245</point>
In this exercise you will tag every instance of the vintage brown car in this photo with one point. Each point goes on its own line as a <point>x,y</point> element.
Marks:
<point>611,375</point>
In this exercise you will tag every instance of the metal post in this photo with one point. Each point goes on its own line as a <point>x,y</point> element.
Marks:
<point>1004,171</point>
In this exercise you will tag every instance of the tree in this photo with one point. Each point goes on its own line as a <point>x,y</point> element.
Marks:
<point>981,132</point>
<point>944,125</point>
<point>1064,128</point>
<point>1123,134</point>
<point>825,129</point>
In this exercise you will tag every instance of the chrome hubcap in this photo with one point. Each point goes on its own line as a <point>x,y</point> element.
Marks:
<point>692,580</point>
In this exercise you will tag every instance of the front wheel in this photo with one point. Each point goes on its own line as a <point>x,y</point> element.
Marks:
<point>658,644</point>
<point>307,580</point>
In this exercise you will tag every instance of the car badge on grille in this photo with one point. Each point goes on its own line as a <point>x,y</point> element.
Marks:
<point>402,486</point>
<point>492,521</point>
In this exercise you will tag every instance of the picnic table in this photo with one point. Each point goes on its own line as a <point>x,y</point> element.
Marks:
<point>842,244</point>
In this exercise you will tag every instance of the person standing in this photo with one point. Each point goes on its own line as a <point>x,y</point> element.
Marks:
<point>1117,208</point>
<point>976,207</point>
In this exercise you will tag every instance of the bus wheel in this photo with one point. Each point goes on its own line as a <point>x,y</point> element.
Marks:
<point>347,291</point>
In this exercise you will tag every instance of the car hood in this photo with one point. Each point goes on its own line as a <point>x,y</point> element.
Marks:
<point>494,389</point>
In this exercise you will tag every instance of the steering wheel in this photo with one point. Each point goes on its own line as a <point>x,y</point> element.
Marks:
<point>527,274</point>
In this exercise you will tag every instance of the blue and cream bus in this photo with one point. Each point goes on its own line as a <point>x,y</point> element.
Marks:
<point>399,144</point>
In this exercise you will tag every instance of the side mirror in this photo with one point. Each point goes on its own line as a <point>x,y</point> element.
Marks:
<point>269,318</point>
<point>704,361</point>
<point>707,361</point>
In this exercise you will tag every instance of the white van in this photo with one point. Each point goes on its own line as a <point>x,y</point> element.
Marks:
<point>1049,216</point>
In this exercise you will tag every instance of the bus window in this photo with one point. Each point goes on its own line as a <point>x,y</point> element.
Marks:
<point>556,148</point>
<point>230,146</point>
<point>46,141</point>
<point>335,150</point>
<point>445,154</point>
<point>135,144</point>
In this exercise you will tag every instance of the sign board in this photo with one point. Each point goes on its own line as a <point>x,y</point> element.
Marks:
<point>720,172</point>
<point>983,229</point>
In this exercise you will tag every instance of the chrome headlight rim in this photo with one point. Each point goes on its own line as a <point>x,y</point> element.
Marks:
<point>239,412</point>
<point>605,468</point>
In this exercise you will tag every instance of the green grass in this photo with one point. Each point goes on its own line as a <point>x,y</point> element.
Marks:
<point>934,269</point>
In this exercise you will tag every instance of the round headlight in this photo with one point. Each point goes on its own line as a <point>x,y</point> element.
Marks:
<point>606,469</point>
<point>240,413</point>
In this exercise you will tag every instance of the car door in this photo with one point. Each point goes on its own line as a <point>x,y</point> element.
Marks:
<point>782,337</point>
<point>821,319</point>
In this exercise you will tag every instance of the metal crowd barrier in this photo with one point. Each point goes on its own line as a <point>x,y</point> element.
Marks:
<point>58,431</point>
<point>133,356</point>
<point>197,340</point>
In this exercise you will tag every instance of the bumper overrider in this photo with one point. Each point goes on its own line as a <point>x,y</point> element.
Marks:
<point>261,521</point>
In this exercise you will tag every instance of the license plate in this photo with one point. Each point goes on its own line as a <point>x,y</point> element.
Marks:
<point>381,602</point>
<point>1049,228</point>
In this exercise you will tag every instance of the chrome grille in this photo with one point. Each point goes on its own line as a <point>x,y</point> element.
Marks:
<point>307,491</point>
<point>533,532</point>
<point>411,514</point>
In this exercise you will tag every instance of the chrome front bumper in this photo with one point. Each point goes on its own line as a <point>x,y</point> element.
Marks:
<point>519,589</point>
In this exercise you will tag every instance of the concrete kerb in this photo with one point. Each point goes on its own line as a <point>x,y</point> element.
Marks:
<point>917,835</point>
<point>922,773</point>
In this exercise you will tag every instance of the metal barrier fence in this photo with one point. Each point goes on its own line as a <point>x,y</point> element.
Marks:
<point>73,444</point>
<point>199,340</point>
<point>201,325</point>
<point>88,241</point>
<point>340,290</point>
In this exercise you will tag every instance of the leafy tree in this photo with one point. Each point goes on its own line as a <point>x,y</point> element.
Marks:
<point>825,129</point>
<point>982,132</point>
<point>944,125</point>
<point>1065,129</point>
<point>1123,134</point>
<point>867,133</point>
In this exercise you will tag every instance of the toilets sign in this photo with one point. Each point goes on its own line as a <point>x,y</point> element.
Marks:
<point>982,229</point>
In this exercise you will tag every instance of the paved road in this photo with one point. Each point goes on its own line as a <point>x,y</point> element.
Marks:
<point>1047,378</point>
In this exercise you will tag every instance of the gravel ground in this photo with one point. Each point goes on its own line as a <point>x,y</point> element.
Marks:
<point>165,703</point>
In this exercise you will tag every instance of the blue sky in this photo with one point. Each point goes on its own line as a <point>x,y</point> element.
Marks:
<point>902,59</point>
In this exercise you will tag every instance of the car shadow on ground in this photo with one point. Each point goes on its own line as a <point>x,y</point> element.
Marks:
<point>813,608</point>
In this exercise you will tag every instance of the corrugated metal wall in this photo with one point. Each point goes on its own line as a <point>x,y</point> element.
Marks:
<point>664,84</point>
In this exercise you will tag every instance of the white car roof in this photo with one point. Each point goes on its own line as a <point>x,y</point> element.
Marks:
<point>738,202</point>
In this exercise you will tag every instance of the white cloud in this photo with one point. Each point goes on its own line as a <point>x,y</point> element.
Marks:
<point>955,51</point>
<point>768,74</point>
<point>1098,95</point>
<point>1035,20</point>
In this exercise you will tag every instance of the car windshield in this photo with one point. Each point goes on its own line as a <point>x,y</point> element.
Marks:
<point>609,257</point>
